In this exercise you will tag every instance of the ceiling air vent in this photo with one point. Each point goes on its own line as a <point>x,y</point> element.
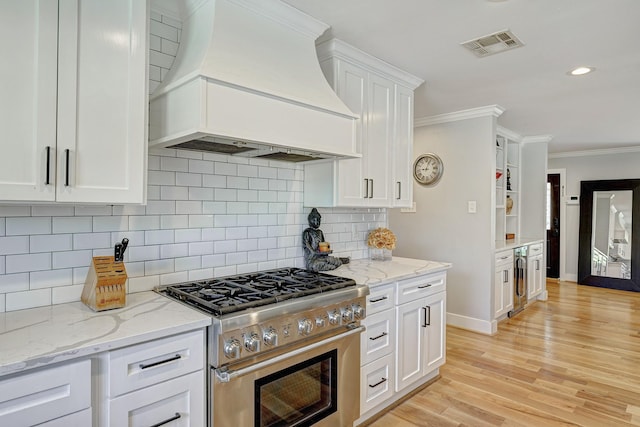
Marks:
<point>493,43</point>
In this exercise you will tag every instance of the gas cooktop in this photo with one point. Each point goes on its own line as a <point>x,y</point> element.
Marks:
<point>235,293</point>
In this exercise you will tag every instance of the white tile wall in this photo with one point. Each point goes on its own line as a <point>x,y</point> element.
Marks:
<point>207,215</point>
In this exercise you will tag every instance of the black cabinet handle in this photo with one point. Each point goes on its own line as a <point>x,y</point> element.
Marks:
<point>399,191</point>
<point>177,416</point>
<point>151,365</point>
<point>66,173</point>
<point>378,299</point>
<point>366,188</point>
<point>383,380</point>
<point>46,180</point>
<point>428,285</point>
<point>426,311</point>
<point>384,334</point>
<point>371,196</point>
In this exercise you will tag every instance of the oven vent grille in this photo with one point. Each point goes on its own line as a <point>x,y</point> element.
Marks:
<point>497,42</point>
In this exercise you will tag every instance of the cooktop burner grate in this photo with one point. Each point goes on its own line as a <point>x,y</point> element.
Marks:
<point>236,293</point>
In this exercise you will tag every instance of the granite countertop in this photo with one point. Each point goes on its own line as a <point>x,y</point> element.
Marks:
<point>371,273</point>
<point>40,336</point>
<point>522,241</point>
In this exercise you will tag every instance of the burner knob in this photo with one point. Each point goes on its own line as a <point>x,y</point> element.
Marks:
<point>252,342</point>
<point>232,348</point>
<point>347,314</point>
<point>305,327</point>
<point>358,311</point>
<point>320,322</point>
<point>270,337</point>
<point>334,317</point>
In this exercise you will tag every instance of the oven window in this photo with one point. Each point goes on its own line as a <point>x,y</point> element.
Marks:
<point>299,395</point>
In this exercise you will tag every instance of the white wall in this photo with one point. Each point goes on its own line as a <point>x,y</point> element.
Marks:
<point>580,167</point>
<point>441,229</point>
<point>207,215</point>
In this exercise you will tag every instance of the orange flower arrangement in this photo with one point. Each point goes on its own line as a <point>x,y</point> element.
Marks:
<point>381,238</point>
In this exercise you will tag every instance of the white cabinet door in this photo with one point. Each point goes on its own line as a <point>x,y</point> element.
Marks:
<point>379,337</point>
<point>376,383</point>
<point>178,403</point>
<point>409,354</point>
<point>403,149</point>
<point>435,331</point>
<point>377,150</point>
<point>352,89</point>
<point>534,276</point>
<point>28,78</point>
<point>503,290</point>
<point>102,101</point>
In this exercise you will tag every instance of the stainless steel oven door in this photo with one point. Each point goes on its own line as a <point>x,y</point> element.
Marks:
<point>318,384</point>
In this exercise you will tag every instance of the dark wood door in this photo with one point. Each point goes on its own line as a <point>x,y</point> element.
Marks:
<point>553,228</point>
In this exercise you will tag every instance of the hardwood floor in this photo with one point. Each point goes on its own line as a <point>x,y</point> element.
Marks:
<point>572,360</point>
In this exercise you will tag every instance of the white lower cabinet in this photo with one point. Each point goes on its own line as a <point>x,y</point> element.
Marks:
<point>159,382</point>
<point>178,403</point>
<point>421,338</point>
<point>47,396</point>
<point>404,342</point>
<point>503,283</point>
<point>535,271</point>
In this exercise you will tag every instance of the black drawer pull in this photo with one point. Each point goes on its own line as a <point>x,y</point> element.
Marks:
<point>151,365</point>
<point>428,285</point>
<point>384,334</point>
<point>177,416</point>
<point>378,299</point>
<point>47,180</point>
<point>66,173</point>
<point>383,380</point>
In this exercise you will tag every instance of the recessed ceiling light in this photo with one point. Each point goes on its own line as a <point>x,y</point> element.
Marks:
<point>581,71</point>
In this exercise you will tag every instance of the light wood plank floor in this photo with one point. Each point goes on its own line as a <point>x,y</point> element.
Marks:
<point>572,360</point>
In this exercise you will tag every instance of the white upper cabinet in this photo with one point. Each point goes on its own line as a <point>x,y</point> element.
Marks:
<point>382,96</point>
<point>74,116</point>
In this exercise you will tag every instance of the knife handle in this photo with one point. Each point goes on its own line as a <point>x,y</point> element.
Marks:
<point>117,255</point>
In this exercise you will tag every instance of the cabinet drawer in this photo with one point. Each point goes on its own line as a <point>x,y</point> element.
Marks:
<point>44,395</point>
<point>380,298</point>
<point>504,257</point>
<point>141,365</point>
<point>535,249</point>
<point>82,418</point>
<point>419,287</point>
<point>378,340</point>
<point>177,403</point>
<point>376,383</point>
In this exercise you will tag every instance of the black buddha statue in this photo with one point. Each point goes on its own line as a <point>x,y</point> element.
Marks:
<point>314,259</point>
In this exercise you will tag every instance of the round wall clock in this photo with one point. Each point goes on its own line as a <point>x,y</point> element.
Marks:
<point>428,169</point>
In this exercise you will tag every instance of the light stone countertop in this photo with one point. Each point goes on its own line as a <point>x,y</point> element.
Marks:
<point>372,273</point>
<point>522,241</point>
<point>39,336</point>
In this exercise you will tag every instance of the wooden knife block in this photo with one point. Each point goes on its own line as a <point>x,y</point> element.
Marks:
<point>104,288</point>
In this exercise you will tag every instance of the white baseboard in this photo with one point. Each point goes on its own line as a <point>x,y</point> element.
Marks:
<point>570,277</point>
<point>472,324</point>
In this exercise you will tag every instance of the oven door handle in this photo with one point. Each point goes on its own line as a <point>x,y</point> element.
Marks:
<point>227,375</point>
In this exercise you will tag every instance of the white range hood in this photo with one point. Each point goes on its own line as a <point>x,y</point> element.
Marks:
<point>246,81</point>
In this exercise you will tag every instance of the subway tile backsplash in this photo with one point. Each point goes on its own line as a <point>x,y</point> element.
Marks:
<point>206,215</point>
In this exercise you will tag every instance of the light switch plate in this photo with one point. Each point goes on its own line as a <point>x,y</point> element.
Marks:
<point>471,206</point>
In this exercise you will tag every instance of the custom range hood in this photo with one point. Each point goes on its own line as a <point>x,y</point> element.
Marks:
<point>246,81</point>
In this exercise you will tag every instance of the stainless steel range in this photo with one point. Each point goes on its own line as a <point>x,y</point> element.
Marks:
<point>284,346</point>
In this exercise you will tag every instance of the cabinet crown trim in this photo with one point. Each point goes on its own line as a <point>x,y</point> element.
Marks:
<point>335,48</point>
<point>488,111</point>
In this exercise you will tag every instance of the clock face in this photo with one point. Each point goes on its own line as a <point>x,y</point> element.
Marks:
<point>428,169</point>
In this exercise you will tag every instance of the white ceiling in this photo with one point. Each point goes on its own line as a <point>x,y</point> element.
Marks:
<point>597,111</point>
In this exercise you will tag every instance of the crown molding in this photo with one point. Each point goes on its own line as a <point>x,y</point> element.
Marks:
<point>473,113</point>
<point>598,152</point>
<point>536,138</point>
